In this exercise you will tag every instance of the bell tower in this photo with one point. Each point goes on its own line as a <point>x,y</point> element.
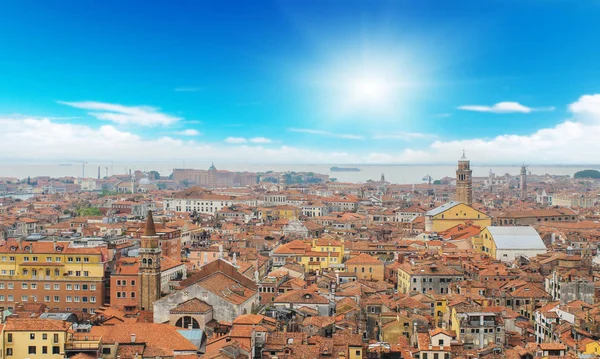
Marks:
<point>150,254</point>
<point>464,181</point>
<point>523,182</point>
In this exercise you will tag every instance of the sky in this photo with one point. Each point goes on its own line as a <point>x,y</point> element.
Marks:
<point>312,81</point>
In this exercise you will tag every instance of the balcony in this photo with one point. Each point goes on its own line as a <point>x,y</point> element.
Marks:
<point>82,343</point>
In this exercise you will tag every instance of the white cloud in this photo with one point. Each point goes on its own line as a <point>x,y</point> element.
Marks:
<point>326,133</point>
<point>188,132</point>
<point>235,140</point>
<point>504,107</point>
<point>46,140</point>
<point>587,107</point>
<point>261,140</point>
<point>125,115</point>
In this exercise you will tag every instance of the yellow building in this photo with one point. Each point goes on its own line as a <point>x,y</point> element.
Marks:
<point>454,213</point>
<point>63,277</point>
<point>592,348</point>
<point>317,254</point>
<point>366,267</point>
<point>35,338</point>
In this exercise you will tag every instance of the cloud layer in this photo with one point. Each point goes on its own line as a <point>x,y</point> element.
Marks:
<point>572,141</point>
<point>326,133</point>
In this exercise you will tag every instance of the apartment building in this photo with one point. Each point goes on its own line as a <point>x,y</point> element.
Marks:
<point>64,278</point>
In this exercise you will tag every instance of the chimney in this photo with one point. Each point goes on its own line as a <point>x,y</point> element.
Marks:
<point>190,326</point>
<point>133,338</point>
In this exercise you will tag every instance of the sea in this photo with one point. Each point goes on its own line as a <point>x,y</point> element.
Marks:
<point>400,174</point>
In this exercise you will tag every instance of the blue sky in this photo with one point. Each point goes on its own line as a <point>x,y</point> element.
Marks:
<point>301,81</point>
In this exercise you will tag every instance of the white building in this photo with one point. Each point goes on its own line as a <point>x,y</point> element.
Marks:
<point>511,242</point>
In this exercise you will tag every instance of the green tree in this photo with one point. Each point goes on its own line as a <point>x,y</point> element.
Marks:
<point>587,174</point>
<point>437,182</point>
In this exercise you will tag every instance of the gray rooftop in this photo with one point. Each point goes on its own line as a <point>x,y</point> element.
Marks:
<point>442,208</point>
<point>516,237</point>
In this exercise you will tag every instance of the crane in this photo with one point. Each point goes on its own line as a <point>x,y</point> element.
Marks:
<point>83,163</point>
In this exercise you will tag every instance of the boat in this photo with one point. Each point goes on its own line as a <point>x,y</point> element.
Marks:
<point>344,169</point>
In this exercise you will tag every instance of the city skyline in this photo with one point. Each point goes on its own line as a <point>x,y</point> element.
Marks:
<point>310,82</point>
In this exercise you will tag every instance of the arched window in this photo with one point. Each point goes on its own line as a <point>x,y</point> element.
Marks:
<point>185,321</point>
<point>149,262</point>
<point>144,261</point>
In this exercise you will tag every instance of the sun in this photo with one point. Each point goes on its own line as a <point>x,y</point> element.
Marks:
<point>370,90</point>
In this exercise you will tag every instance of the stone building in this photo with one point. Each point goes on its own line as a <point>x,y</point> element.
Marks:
<point>220,285</point>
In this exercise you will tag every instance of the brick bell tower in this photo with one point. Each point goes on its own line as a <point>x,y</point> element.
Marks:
<point>150,254</point>
<point>464,181</point>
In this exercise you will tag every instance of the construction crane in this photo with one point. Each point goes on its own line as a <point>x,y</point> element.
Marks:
<point>83,163</point>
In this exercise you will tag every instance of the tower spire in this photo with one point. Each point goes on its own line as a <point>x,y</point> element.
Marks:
<point>150,228</point>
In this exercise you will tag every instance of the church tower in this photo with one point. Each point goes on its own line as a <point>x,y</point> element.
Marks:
<point>523,182</point>
<point>150,254</point>
<point>464,181</point>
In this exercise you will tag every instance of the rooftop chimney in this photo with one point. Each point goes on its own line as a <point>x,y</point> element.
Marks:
<point>133,338</point>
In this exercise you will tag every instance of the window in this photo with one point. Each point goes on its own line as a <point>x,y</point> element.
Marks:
<point>55,350</point>
<point>76,299</point>
<point>44,350</point>
<point>1,298</point>
<point>8,352</point>
<point>32,337</point>
<point>57,259</point>
<point>84,299</point>
<point>57,272</point>
<point>86,273</point>
<point>69,286</point>
<point>70,259</point>
<point>9,337</point>
<point>11,272</point>
<point>78,259</point>
<point>69,298</point>
<point>105,351</point>
<point>48,259</point>
<point>55,338</point>
<point>86,259</point>
<point>358,353</point>
<point>76,286</point>
<point>132,294</point>
<point>78,273</point>
<point>45,336</point>
<point>46,298</point>
<point>12,259</point>
<point>10,298</point>
<point>84,287</point>
<point>132,283</point>
<point>93,286</point>
<point>93,299</point>
<point>25,259</point>
<point>56,286</point>
<point>47,286</point>
<point>56,298</point>
<point>24,298</point>
<point>35,259</point>
<point>23,285</point>
<point>11,286</point>
<point>33,285</point>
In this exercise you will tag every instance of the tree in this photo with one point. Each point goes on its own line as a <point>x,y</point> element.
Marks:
<point>162,186</point>
<point>154,175</point>
<point>595,174</point>
<point>437,182</point>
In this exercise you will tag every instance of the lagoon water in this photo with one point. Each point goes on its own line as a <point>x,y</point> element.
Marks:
<point>401,174</point>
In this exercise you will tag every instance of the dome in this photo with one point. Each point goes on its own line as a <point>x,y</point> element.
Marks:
<point>144,181</point>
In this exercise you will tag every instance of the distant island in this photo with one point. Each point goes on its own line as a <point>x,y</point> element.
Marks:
<point>344,169</point>
<point>587,174</point>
